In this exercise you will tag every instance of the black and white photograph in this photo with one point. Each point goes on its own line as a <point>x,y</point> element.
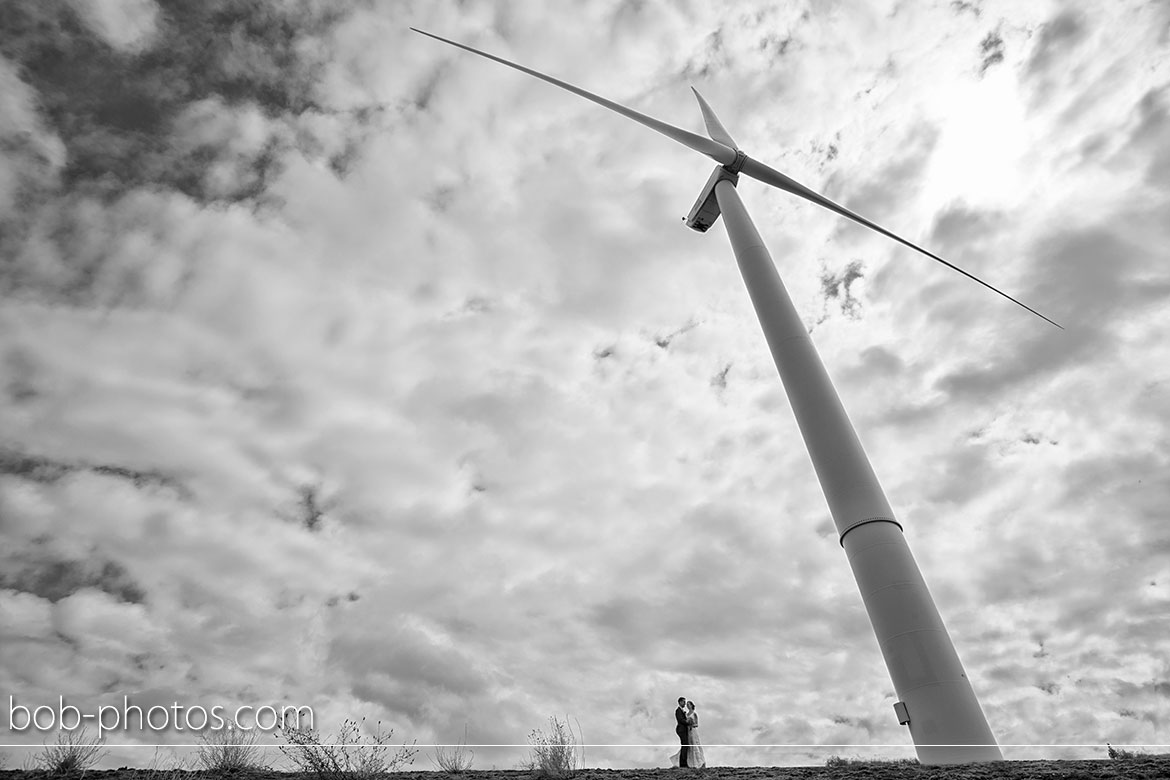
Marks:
<point>753,390</point>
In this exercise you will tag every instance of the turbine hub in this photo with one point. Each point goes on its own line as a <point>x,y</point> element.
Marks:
<point>736,166</point>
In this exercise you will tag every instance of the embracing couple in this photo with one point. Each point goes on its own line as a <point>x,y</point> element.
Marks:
<point>690,752</point>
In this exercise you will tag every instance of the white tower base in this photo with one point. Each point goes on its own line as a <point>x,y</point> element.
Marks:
<point>936,699</point>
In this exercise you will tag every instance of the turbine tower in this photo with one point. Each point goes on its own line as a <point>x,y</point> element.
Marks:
<point>935,698</point>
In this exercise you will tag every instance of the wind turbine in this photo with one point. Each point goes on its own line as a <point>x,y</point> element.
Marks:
<point>936,699</point>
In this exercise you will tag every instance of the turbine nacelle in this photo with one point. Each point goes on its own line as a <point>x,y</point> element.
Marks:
<point>705,212</point>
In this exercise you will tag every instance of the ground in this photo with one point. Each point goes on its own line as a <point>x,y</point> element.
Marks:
<point>1151,768</point>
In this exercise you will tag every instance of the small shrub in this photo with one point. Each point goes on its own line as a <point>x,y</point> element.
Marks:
<point>457,759</point>
<point>555,753</point>
<point>350,755</point>
<point>1129,755</point>
<point>231,749</point>
<point>72,752</point>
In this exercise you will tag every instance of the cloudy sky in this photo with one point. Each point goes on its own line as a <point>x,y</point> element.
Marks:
<point>339,367</point>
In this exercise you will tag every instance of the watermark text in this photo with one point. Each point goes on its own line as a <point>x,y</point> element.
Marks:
<point>156,718</point>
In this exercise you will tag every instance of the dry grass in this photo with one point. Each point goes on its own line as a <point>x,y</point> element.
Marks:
<point>229,751</point>
<point>351,755</point>
<point>838,761</point>
<point>554,753</point>
<point>165,767</point>
<point>455,759</point>
<point>1117,754</point>
<point>73,752</point>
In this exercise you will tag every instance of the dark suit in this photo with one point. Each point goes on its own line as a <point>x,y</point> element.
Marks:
<point>680,718</point>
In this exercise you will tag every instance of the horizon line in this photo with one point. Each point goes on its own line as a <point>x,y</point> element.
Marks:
<point>664,745</point>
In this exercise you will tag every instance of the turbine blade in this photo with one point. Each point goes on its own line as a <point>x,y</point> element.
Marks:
<point>715,128</point>
<point>761,172</point>
<point>720,153</point>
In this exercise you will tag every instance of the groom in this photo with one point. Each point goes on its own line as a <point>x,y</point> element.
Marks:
<point>680,728</point>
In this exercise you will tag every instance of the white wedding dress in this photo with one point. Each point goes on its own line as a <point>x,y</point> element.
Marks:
<point>695,757</point>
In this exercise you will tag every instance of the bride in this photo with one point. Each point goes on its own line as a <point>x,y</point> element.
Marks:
<point>695,757</point>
